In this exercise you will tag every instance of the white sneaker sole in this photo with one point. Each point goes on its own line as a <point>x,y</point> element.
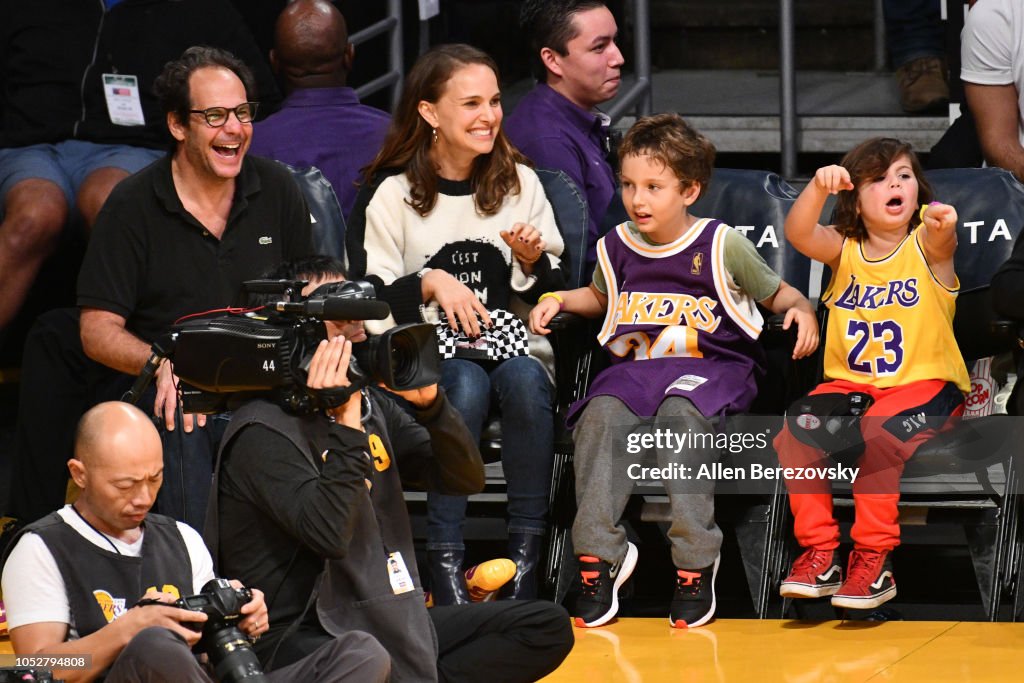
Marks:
<point>805,590</point>
<point>851,602</point>
<point>625,571</point>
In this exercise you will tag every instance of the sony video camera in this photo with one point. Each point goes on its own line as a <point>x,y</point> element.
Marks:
<point>269,352</point>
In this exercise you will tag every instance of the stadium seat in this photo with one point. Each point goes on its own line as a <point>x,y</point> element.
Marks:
<point>325,214</point>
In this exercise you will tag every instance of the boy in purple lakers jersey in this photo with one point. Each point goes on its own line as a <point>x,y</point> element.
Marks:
<point>678,294</point>
<point>889,351</point>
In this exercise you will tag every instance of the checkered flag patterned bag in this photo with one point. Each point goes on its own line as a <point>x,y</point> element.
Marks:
<point>506,338</point>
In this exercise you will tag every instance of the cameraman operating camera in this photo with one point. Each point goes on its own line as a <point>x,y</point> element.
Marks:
<point>73,578</point>
<point>323,494</point>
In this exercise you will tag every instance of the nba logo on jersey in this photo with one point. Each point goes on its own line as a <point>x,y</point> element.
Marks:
<point>697,264</point>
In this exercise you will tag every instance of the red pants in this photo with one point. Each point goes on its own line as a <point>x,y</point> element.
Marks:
<point>876,488</point>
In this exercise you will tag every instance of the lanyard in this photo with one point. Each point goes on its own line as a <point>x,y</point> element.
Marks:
<point>105,537</point>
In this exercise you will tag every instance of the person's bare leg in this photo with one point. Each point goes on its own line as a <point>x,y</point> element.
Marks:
<point>35,211</point>
<point>94,192</point>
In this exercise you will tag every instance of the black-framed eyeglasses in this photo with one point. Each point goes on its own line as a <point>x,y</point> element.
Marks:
<point>218,116</point>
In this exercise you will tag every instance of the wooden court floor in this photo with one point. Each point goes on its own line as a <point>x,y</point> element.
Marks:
<point>750,650</point>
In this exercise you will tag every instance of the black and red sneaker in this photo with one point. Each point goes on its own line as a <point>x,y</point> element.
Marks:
<point>869,581</point>
<point>815,574</point>
<point>599,588</point>
<point>693,603</point>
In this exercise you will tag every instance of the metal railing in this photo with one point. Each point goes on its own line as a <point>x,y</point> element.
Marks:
<point>787,89</point>
<point>640,95</point>
<point>392,25</point>
<point>788,129</point>
<point>638,98</point>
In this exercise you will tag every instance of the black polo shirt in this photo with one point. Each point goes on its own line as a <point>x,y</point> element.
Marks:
<point>150,261</point>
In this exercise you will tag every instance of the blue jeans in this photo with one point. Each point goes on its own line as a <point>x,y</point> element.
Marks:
<point>913,29</point>
<point>519,389</point>
<point>188,468</point>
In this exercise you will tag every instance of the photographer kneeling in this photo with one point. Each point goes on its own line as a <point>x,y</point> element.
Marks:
<point>73,579</point>
<point>320,495</point>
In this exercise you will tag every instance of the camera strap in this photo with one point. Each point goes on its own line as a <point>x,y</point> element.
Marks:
<point>337,396</point>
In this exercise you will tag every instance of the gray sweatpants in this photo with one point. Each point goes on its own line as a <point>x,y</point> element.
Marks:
<point>156,655</point>
<point>695,538</point>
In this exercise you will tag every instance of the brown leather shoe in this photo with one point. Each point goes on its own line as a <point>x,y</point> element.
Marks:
<point>922,84</point>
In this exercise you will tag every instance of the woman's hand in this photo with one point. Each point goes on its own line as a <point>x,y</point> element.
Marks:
<point>526,244</point>
<point>457,300</point>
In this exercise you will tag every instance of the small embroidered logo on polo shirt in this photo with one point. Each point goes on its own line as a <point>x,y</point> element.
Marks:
<point>266,240</point>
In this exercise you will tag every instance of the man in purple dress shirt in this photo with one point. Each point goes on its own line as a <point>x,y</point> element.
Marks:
<point>321,122</point>
<point>578,66</point>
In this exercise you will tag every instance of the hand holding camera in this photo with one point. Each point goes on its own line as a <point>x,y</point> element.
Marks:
<point>329,370</point>
<point>213,618</point>
<point>162,609</point>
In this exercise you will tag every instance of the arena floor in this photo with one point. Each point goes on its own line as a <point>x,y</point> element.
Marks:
<point>744,650</point>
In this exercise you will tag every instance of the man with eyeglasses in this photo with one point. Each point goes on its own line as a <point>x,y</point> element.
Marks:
<point>180,237</point>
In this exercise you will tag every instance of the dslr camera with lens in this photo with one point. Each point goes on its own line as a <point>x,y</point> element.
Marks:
<point>230,652</point>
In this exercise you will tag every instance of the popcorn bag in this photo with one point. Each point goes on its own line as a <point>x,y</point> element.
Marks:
<point>981,400</point>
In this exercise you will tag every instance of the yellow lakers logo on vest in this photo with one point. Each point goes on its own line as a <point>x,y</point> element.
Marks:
<point>697,264</point>
<point>381,459</point>
<point>112,607</point>
<point>646,308</point>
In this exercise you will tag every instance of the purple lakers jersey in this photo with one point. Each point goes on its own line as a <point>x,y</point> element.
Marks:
<point>676,324</point>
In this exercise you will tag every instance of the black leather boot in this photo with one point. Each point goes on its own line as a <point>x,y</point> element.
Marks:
<point>524,550</point>
<point>447,582</point>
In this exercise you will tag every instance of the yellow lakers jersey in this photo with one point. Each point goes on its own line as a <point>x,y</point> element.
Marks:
<point>890,320</point>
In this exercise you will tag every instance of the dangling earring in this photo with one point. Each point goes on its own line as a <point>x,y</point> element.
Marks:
<point>433,135</point>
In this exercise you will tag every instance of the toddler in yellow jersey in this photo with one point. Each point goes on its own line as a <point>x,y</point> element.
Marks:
<point>891,362</point>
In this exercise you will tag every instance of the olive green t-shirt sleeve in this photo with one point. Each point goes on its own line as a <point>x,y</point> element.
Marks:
<point>748,269</point>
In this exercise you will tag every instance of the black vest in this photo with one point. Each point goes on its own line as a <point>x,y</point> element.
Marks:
<point>101,584</point>
<point>354,592</point>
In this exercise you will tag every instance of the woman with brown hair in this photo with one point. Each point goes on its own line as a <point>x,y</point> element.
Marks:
<point>453,224</point>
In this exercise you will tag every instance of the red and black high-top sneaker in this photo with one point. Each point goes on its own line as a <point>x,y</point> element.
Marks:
<point>815,574</point>
<point>869,581</point>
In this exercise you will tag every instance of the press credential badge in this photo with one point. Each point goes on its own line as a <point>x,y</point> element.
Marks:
<point>398,573</point>
<point>123,104</point>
